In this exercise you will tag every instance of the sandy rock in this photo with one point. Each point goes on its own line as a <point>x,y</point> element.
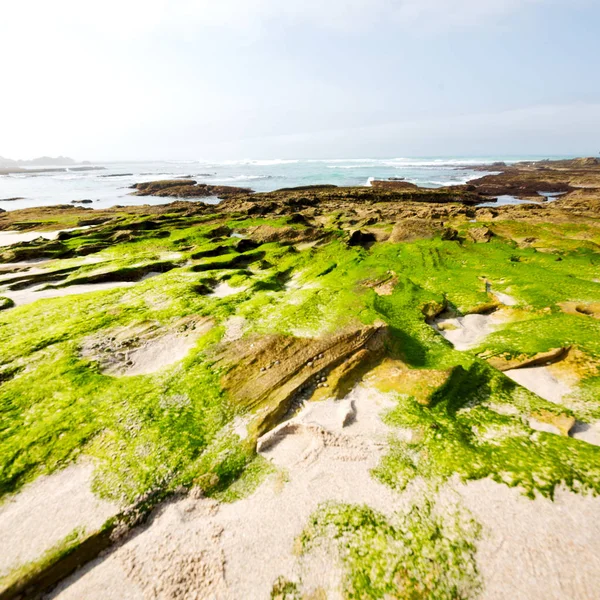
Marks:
<point>563,422</point>
<point>412,229</point>
<point>590,309</point>
<point>265,234</point>
<point>266,374</point>
<point>480,235</point>
<point>541,358</point>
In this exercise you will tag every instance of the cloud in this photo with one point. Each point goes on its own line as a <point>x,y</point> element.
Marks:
<point>354,14</point>
<point>140,17</point>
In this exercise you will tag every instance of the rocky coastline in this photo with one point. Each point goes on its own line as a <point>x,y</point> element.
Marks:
<point>315,392</point>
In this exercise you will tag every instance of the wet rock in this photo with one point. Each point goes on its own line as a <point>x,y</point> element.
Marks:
<point>86,201</point>
<point>185,188</point>
<point>393,184</point>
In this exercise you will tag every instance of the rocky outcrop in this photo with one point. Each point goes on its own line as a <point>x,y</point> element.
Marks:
<point>563,422</point>
<point>413,229</point>
<point>185,188</point>
<point>480,235</point>
<point>266,374</point>
<point>393,184</point>
<point>528,179</point>
<point>265,234</point>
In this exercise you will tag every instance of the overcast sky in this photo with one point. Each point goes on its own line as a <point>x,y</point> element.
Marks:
<point>193,79</point>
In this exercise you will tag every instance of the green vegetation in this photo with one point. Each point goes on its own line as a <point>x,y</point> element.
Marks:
<point>252,475</point>
<point>475,426</point>
<point>419,553</point>
<point>172,427</point>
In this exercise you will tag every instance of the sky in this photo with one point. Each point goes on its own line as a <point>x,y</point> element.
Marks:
<point>230,79</point>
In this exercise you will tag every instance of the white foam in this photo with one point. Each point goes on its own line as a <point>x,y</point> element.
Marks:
<point>259,162</point>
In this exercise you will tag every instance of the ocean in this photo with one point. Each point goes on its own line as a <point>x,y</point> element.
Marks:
<point>111,185</point>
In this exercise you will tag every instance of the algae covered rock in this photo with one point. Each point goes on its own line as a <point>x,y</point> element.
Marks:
<point>433,309</point>
<point>449,234</point>
<point>6,303</point>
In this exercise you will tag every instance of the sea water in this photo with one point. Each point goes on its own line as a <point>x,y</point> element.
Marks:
<point>111,185</point>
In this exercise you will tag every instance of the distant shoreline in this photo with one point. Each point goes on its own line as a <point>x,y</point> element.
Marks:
<point>20,170</point>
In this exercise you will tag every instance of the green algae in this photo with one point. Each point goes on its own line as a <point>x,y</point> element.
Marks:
<point>149,430</point>
<point>253,475</point>
<point>422,552</point>
<point>476,427</point>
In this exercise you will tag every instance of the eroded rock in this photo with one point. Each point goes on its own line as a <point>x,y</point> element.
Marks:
<point>480,235</point>
<point>541,358</point>
<point>266,373</point>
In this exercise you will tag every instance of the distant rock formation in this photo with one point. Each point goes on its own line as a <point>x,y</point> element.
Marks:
<point>42,161</point>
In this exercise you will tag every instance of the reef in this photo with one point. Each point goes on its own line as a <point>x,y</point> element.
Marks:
<point>391,391</point>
